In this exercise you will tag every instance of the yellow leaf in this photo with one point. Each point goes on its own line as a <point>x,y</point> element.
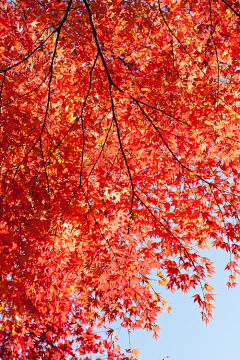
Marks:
<point>117,348</point>
<point>136,352</point>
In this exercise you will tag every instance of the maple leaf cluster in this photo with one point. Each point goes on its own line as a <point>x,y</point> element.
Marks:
<point>120,162</point>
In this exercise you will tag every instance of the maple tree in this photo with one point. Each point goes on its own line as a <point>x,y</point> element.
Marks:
<point>120,155</point>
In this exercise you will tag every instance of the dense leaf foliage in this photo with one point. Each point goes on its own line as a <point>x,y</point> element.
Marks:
<point>120,161</point>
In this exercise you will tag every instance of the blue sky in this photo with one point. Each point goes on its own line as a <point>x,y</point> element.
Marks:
<point>183,334</point>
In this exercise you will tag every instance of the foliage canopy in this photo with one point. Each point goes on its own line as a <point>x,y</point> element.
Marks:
<point>120,151</point>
